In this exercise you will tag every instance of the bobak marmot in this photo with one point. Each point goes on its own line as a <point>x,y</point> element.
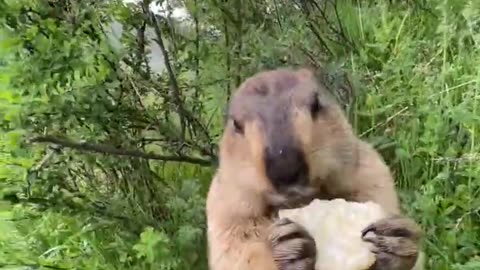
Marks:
<point>284,132</point>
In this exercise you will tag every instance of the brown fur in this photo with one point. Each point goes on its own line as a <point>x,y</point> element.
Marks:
<point>274,108</point>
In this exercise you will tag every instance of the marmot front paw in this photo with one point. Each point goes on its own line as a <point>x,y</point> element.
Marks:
<point>396,243</point>
<point>293,247</point>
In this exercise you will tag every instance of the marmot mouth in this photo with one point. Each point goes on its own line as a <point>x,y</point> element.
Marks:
<point>291,196</point>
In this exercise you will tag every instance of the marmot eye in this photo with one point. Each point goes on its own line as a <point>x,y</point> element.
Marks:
<point>238,126</point>
<point>315,106</point>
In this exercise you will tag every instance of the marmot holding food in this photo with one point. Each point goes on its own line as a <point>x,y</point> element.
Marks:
<point>284,132</point>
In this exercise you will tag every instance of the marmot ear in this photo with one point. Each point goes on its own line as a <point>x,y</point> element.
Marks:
<point>305,74</point>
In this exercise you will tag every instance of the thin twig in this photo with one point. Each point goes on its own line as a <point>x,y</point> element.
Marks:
<point>34,171</point>
<point>141,47</point>
<point>229,15</point>
<point>277,14</point>
<point>314,29</point>
<point>197,59</point>
<point>385,122</point>
<point>228,61</point>
<point>185,115</point>
<point>106,149</point>
<point>2,265</point>
<point>173,80</point>
<point>239,47</point>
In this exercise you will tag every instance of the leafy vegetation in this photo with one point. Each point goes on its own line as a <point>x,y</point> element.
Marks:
<point>106,154</point>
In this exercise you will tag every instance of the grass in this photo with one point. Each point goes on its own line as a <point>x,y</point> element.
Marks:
<point>421,107</point>
<point>5,215</point>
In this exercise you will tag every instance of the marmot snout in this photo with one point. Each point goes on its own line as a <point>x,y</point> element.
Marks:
<point>286,166</point>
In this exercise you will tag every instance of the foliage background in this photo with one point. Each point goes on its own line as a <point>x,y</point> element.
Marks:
<point>106,156</point>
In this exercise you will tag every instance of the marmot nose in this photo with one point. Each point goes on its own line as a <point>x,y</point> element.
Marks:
<point>285,165</point>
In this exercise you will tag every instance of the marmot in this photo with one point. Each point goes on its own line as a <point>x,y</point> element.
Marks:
<point>285,132</point>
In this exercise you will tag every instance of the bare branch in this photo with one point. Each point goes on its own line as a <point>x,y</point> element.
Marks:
<point>186,116</point>
<point>173,80</point>
<point>34,171</point>
<point>45,159</point>
<point>238,51</point>
<point>34,266</point>
<point>229,15</point>
<point>109,150</point>
<point>141,56</point>
<point>197,57</point>
<point>313,28</point>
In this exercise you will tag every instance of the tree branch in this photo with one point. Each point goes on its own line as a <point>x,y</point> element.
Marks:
<point>109,150</point>
<point>173,80</point>
<point>186,116</point>
<point>239,47</point>
<point>35,266</point>
<point>33,172</point>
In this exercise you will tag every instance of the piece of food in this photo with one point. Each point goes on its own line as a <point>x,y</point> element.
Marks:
<point>336,226</point>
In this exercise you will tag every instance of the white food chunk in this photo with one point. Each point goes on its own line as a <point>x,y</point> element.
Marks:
<point>336,226</point>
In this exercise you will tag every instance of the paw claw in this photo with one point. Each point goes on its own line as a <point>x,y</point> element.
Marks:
<point>283,221</point>
<point>375,250</point>
<point>369,228</point>
<point>292,247</point>
<point>395,243</point>
<point>369,237</point>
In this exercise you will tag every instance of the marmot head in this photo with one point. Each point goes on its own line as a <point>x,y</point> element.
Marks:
<point>286,125</point>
